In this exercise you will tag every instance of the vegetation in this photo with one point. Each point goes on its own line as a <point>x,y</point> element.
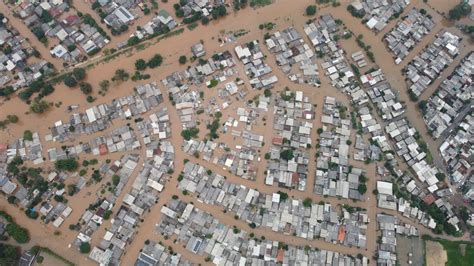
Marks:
<point>27,135</point>
<point>460,10</point>
<point>455,255</point>
<point>140,64</point>
<point>311,10</point>
<point>79,73</point>
<point>155,61</point>
<point>354,12</point>
<point>18,233</point>
<point>190,133</point>
<point>182,59</point>
<point>86,87</point>
<point>260,3</point>
<point>283,196</point>
<point>39,106</point>
<point>287,155</point>
<point>9,255</point>
<point>70,81</point>
<point>69,164</point>
<point>85,247</point>
<point>48,251</point>
<point>307,202</point>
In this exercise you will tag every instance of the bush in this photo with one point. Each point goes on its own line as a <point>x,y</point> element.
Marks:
<point>39,106</point>
<point>155,61</point>
<point>70,81</point>
<point>133,40</point>
<point>362,188</point>
<point>79,73</point>
<point>69,164</point>
<point>459,11</point>
<point>115,180</point>
<point>140,64</point>
<point>307,202</point>
<point>191,133</point>
<point>86,88</point>
<point>18,233</point>
<point>182,59</point>
<point>12,119</point>
<point>311,10</point>
<point>287,155</point>
<point>85,247</point>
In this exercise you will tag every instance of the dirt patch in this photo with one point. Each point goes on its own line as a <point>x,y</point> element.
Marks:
<point>435,254</point>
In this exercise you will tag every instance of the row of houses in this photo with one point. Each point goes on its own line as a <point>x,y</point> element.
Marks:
<point>203,234</point>
<point>376,14</point>
<point>334,175</point>
<point>292,126</point>
<point>99,211</point>
<point>289,216</point>
<point>162,22</point>
<point>452,100</point>
<point>389,227</point>
<point>294,56</point>
<point>120,139</point>
<point>457,151</point>
<point>144,192</point>
<point>428,65</point>
<point>100,117</point>
<point>407,33</point>
<point>15,70</point>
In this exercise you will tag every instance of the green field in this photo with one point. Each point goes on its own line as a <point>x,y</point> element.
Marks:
<point>455,256</point>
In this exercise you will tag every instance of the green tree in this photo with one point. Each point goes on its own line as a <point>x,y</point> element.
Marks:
<point>85,247</point>
<point>311,10</point>
<point>12,119</point>
<point>155,61</point>
<point>133,40</point>
<point>70,81</point>
<point>39,106</point>
<point>140,64</point>
<point>79,73</point>
<point>190,133</point>
<point>115,180</point>
<point>287,155</point>
<point>18,233</point>
<point>307,202</point>
<point>69,164</point>
<point>362,188</point>
<point>182,59</point>
<point>86,88</point>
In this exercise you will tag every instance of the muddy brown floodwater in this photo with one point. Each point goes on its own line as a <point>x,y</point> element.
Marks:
<point>284,13</point>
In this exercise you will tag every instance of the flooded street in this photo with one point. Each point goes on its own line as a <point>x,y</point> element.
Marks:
<point>283,13</point>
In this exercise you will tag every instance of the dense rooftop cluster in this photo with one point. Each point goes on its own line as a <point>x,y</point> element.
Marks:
<point>289,157</point>
<point>377,13</point>
<point>294,57</point>
<point>430,63</point>
<point>16,68</point>
<point>205,235</point>
<point>77,36</point>
<point>451,101</point>
<point>408,32</point>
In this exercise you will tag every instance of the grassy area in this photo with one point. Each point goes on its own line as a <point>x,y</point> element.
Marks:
<point>455,256</point>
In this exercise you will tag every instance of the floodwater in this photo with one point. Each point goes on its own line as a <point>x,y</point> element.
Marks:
<point>284,13</point>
